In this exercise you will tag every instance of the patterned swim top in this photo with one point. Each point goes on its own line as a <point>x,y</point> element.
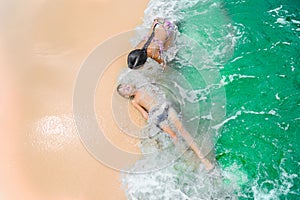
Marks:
<point>170,30</point>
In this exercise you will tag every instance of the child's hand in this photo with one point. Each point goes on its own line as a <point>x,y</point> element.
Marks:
<point>145,115</point>
<point>208,165</point>
<point>164,66</point>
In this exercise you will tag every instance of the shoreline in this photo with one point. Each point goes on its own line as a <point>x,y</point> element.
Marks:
<point>43,49</point>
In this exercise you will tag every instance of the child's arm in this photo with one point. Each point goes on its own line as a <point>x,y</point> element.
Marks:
<point>141,109</point>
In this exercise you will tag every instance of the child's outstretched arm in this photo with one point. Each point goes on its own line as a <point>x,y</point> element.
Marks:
<point>140,109</point>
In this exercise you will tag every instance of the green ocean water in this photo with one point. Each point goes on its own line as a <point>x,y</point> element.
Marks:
<point>262,83</point>
<point>242,70</point>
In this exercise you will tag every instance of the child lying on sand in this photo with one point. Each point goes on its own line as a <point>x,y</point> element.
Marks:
<point>154,107</point>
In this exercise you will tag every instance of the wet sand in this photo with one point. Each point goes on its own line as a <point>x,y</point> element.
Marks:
<point>42,45</point>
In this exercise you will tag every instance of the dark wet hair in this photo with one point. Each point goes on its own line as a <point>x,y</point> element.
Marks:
<point>138,57</point>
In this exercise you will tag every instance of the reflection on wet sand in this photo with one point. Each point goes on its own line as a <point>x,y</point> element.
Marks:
<point>42,46</point>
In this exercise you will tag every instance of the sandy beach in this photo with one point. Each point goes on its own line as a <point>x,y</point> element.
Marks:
<point>42,46</point>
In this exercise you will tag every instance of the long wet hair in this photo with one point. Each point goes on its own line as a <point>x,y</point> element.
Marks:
<point>138,57</point>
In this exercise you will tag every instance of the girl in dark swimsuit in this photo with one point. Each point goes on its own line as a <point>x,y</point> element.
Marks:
<point>159,39</point>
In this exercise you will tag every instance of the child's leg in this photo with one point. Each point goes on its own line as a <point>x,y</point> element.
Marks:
<point>166,128</point>
<point>188,138</point>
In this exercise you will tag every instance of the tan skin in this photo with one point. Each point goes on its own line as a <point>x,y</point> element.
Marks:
<point>143,101</point>
<point>153,48</point>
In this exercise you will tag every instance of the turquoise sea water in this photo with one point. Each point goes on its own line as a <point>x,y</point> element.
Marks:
<point>255,46</point>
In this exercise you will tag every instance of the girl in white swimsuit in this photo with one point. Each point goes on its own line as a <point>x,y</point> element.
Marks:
<point>153,105</point>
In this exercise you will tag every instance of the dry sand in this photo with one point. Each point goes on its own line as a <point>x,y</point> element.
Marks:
<point>42,45</point>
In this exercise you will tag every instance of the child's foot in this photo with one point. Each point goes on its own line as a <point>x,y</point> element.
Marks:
<point>208,165</point>
<point>175,140</point>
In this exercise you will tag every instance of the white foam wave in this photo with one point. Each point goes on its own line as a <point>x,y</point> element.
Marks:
<point>185,179</point>
<point>280,187</point>
<point>181,181</point>
<point>234,77</point>
<point>218,126</point>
